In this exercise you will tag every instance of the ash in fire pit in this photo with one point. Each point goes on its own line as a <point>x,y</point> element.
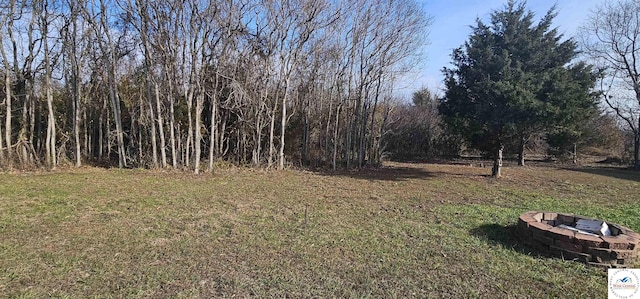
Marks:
<point>583,239</point>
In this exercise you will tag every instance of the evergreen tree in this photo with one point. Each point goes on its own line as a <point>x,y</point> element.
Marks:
<point>514,78</point>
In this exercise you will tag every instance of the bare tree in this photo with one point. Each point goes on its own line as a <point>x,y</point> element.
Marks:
<point>611,36</point>
<point>293,22</point>
<point>12,14</point>
<point>45,19</point>
<point>6,22</point>
<point>200,38</point>
<point>142,25</point>
<point>104,37</point>
<point>167,41</point>
<point>71,33</point>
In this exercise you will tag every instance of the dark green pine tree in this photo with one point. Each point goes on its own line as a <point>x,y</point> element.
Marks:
<point>514,78</point>
<point>569,88</point>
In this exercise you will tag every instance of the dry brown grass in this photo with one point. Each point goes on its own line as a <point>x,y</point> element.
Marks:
<point>405,230</point>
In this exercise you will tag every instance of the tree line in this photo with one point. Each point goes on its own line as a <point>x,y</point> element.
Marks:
<point>183,84</point>
<point>140,83</point>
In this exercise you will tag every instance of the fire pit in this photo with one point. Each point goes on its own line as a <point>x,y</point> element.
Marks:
<point>556,234</point>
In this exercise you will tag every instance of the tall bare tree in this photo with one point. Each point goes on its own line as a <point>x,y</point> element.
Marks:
<point>45,20</point>
<point>294,22</point>
<point>72,33</point>
<point>142,25</point>
<point>6,22</point>
<point>100,14</point>
<point>611,36</point>
<point>13,13</point>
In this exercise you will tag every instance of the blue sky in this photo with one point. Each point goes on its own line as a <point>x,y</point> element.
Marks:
<point>450,29</point>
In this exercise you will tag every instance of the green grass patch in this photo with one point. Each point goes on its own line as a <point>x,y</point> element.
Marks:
<point>406,230</point>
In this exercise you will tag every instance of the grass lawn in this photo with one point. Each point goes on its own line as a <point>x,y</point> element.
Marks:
<point>405,230</point>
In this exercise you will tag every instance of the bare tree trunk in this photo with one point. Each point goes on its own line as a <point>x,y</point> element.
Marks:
<point>101,130</point>
<point>379,147</point>
<point>8,20</point>
<point>8,97</point>
<point>362,136</point>
<point>32,119</point>
<point>86,139</point>
<point>140,128</point>
<point>521,146</point>
<point>7,129</point>
<point>172,126</point>
<point>72,45</point>
<point>327,131</point>
<point>163,144</point>
<point>76,123</point>
<point>108,131</point>
<point>154,143</point>
<point>25,157</point>
<point>636,135</point>
<point>51,123</point>
<point>636,148</point>
<point>189,97</point>
<point>22,135</point>
<point>305,138</point>
<point>257,151</point>
<point>372,145</point>
<point>221,139</point>
<point>198,135</point>
<point>7,92</point>
<point>348,141</point>
<point>497,162</point>
<point>283,122</point>
<point>179,143</point>
<point>115,105</point>
<point>335,137</point>
<point>7,85</point>
<point>272,125</point>
<point>36,127</point>
<point>213,127</point>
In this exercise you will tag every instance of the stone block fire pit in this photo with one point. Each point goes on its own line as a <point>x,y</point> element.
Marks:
<point>543,231</point>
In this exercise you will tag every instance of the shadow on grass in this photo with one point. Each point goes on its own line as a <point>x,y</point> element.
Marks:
<point>614,172</point>
<point>505,236</point>
<point>401,171</point>
<point>496,234</point>
<point>385,173</point>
